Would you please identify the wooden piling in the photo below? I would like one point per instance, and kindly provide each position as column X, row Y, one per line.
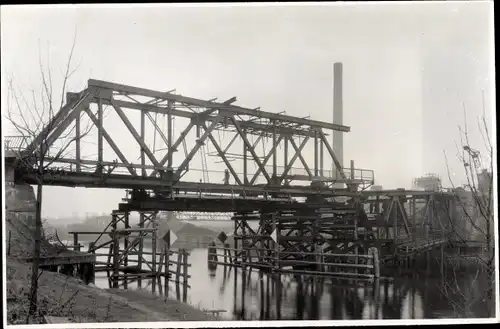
column 212, row 253
column 167, row 270
column 178, row 270
column 76, row 246
column 141, row 247
column 116, row 256
column 110, row 255
column 115, row 250
column 185, row 272
column 8, row 245
column 226, row 248
column 376, row 262
column 153, row 257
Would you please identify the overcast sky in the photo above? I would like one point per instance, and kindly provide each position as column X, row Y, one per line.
column 407, row 69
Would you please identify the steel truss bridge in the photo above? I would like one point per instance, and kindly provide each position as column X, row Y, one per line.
column 188, row 121
column 262, row 162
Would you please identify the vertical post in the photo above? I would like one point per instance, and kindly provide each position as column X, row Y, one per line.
column 427, row 216
column 8, row 246
column 76, row 246
column 275, row 158
column 109, row 262
column 185, row 272
column 285, row 163
column 321, row 159
column 179, row 266
column 141, row 246
column 414, row 220
column 77, row 142
column 170, row 135
column 275, row 243
column 243, row 286
column 91, row 273
column 125, row 247
column 245, row 169
column 394, row 214
column 243, row 241
column 116, row 252
column 235, row 234
column 356, row 233
column 376, row 291
column 91, row 247
column 167, row 269
column 316, row 154
column 153, row 251
column 143, row 137
column 376, row 263
column 99, row 136
column 278, row 295
column 442, row 260
column 225, row 253
column 352, row 169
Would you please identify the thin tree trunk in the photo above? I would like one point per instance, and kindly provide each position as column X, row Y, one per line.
column 490, row 271
column 36, row 254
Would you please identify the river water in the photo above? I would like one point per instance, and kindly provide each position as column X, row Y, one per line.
column 251, row 295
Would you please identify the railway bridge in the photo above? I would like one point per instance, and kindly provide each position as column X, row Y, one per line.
column 179, row 153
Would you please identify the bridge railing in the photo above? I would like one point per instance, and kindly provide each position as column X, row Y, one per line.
column 195, row 215
column 365, row 175
column 420, row 236
column 16, row 143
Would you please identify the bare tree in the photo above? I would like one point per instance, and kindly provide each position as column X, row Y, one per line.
column 34, row 115
column 473, row 217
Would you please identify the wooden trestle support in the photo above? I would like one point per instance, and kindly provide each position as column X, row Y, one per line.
column 348, row 239
column 126, row 242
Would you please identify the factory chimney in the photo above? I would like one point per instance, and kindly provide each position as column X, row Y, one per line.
column 338, row 142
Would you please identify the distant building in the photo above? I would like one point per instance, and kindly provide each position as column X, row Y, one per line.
column 428, row 182
column 485, row 183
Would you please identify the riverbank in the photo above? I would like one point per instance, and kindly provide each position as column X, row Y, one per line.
column 63, row 296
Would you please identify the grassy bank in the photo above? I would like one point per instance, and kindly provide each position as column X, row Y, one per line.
column 64, row 296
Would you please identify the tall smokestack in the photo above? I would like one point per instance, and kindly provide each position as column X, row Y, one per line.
column 338, row 141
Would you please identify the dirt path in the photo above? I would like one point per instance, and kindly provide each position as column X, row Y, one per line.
column 64, row 296
column 175, row 309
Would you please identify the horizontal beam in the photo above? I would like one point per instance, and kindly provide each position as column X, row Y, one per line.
column 122, row 181
column 232, row 109
column 104, row 163
column 190, row 115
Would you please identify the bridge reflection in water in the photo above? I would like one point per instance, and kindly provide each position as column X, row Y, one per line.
column 255, row 295
column 264, row 296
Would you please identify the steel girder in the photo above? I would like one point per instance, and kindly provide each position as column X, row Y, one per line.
column 206, row 116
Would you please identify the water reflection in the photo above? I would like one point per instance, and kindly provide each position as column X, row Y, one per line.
column 256, row 295
column 264, row 296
